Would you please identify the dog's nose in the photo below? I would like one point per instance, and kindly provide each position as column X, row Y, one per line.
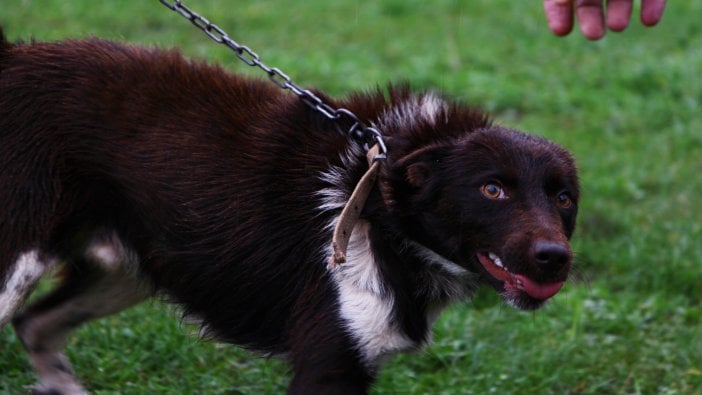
column 550, row 255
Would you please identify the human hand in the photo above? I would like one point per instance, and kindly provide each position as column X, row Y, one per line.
column 591, row 15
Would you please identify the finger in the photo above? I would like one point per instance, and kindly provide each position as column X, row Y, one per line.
column 559, row 14
column 591, row 18
column 651, row 11
column 618, row 14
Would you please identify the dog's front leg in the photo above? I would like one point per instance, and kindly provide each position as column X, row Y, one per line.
column 325, row 358
column 329, row 366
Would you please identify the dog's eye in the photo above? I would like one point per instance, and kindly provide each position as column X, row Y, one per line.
column 493, row 191
column 564, row 201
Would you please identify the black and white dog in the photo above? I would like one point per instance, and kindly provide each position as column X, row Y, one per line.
column 140, row 173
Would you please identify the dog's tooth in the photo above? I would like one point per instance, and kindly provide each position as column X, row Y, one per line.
column 496, row 260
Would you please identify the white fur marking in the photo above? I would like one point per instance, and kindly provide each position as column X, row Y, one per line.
column 106, row 254
column 431, row 256
column 107, row 250
column 406, row 115
column 335, row 196
column 23, row 277
column 431, row 107
column 366, row 306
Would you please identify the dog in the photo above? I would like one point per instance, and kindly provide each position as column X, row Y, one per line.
column 132, row 172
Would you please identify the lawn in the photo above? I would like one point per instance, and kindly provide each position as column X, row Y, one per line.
column 629, row 107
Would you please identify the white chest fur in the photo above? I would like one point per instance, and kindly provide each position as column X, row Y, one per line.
column 366, row 305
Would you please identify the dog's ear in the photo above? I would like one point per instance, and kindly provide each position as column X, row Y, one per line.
column 417, row 173
column 417, row 166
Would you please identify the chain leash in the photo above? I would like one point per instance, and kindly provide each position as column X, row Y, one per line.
column 358, row 129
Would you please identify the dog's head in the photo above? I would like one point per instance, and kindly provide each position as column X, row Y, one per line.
column 499, row 202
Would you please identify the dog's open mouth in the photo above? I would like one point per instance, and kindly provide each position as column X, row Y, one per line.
column 517, row 282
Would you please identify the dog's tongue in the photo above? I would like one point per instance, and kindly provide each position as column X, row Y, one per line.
column 536, row 290
column 520, row 282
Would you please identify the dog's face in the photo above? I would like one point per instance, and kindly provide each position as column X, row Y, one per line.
column 500, row 203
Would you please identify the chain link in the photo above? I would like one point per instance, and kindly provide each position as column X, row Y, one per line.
column 358, row 129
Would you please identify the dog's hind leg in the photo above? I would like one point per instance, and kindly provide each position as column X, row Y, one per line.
column 20, row 281
column 103, row 282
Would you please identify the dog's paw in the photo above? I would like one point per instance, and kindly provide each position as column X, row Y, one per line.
column 41, row 389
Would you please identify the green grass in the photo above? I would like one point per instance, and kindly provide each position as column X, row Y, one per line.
column 629, row 107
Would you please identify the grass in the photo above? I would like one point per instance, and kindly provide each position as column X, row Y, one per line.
column 628, row 107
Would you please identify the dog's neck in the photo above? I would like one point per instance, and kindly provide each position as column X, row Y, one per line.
column 354, row 206
column 434, row 258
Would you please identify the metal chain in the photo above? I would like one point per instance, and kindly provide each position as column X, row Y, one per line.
column 245, row 54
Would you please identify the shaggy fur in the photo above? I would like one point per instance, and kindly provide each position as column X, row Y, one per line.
column 139, row 172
